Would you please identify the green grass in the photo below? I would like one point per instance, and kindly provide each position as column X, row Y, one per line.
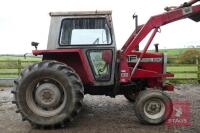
column 175, row 52
column 19, row 57
column 181, row 71
column 181, row 68
column 10, row 71
column 187, row 72
column 9, row 63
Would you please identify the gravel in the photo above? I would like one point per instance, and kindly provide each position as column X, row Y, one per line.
column 101, row 114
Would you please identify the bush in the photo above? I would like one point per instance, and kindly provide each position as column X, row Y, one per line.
column 189, row 56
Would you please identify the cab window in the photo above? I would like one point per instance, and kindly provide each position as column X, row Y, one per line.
column 85, row 31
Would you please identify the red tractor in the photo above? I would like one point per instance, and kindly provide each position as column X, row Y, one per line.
column 81, row 58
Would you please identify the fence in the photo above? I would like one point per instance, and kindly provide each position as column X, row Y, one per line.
column 11, row 68
column 184, row 72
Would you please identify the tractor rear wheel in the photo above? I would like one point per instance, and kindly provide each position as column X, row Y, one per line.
column 153, row 107
column 48, row 93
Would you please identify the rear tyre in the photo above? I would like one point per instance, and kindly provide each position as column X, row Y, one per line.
column 48, row 93
column 153, row 107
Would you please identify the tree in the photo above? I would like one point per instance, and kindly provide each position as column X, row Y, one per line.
column 189, row 56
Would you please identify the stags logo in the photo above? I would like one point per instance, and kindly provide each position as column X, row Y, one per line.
column 180, row 115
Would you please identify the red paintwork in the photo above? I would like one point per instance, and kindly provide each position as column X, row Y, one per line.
column 132, row 37
column 147, row 55
column 107, row 56
column 155, row 82
column 72, row 57
column 151, row 66
column 141, row 73
column 125, row 76
column 168, row 87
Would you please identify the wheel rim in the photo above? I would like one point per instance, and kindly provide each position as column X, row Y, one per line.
column 154, row 108
column 46, row 97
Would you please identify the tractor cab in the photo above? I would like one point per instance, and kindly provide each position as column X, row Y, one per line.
column 91, row 35
column 81, row 29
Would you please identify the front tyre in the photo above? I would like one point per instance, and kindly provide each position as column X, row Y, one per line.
column 48, row 93
column 153, row 107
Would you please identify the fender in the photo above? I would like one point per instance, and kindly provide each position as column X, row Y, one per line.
column 70, row 57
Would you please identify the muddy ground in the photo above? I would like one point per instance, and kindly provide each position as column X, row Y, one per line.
column 101, row 114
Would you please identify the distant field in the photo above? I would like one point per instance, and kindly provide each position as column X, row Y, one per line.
column 188, row 72
column 175, row 51
column 19, row 57
column 10, row 63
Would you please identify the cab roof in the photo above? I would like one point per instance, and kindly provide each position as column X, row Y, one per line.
column 80, row 13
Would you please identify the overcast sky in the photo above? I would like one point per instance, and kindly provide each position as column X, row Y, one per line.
column 23, row 21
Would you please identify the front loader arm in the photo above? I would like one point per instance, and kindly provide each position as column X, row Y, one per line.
column 157, row 21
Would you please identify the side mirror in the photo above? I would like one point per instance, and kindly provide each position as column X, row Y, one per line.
column 107, row 56
column 35, row 44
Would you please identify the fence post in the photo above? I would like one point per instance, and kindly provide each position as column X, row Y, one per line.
column 198, row 69
column 19, row 66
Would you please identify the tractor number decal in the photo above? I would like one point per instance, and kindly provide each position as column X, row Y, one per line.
column 134, row 59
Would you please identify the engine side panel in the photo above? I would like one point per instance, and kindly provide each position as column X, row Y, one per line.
column 151, row 64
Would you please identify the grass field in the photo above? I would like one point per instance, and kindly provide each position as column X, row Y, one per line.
column 19, row 57
column 177, row 51
column 9, row 63
column 183, row 71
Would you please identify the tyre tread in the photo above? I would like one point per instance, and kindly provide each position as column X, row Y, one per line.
column 58, row 67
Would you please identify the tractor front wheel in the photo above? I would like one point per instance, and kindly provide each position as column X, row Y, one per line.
column 48, row 93
column 153, row 107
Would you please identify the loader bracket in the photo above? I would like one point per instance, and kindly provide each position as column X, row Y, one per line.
column 195, row 17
